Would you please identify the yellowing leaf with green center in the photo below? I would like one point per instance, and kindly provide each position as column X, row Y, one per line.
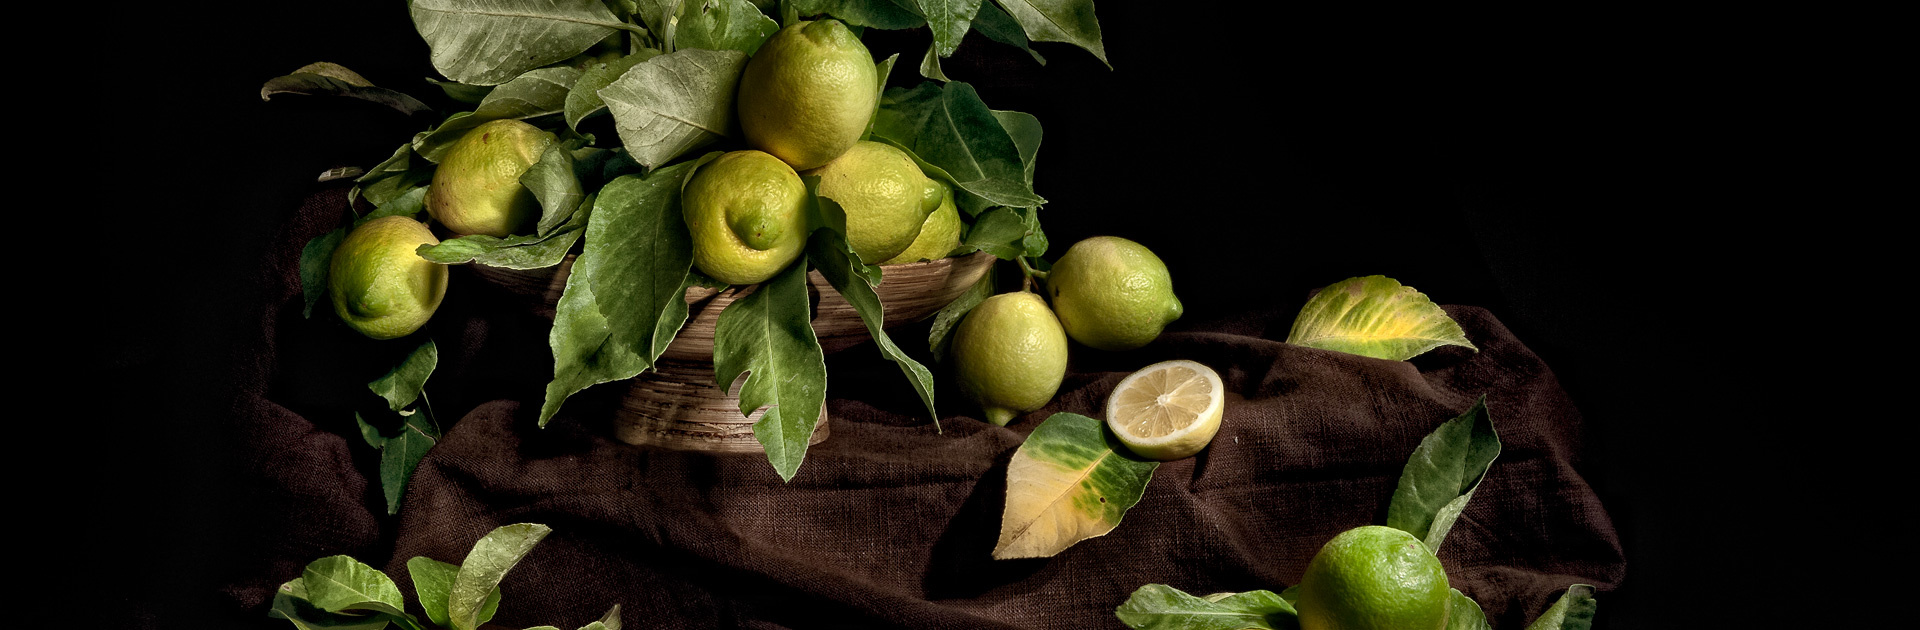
column 1377, row 317
column 1069, row 482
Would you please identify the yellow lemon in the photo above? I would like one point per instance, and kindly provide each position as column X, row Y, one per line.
column 1374, row 578
column 885, row 196
column 1009, row 355
column 747, row 212
column 1112, row 293
column 380, row 286
column 808, row 93
column 1168, row 410
column 939, row 234
column 476, row 189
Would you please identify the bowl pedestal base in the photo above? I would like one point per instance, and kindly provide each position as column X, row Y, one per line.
column 678, row 406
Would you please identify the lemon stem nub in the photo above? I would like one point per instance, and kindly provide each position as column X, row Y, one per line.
column 758, row 229
column 1000, row 417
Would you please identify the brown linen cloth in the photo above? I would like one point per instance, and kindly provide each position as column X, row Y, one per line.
column 889, row 522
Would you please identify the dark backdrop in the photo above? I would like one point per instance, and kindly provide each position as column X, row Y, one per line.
column 1529, row 164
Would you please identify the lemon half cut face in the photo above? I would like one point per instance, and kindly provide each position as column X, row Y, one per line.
column 1168, row 410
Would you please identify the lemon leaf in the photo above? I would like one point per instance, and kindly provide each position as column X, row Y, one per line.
column 1465, row 614
column 314, row 261
column 290, row 603
column 1024, row 129
column 552, row 180
column 1573, row 611
column 1068, row 482
column 489, row 42
column 1441, row 476
column 940, row 338
column 1377, row 317
column 485, row 565
column 391, row 178
column 880, row 14
column 769, row 334
column 584, row 99
column 1001, row 232
column 674, row 103
column 836, row 261
column 723, row 25
column 433, row 581
column 930, row 64
column 341, row 584
column 625, row 298
column 994, row 22
column 402, row 384
column 1070, row 21
column 329, row 79
column 951, row 128
column 521, row 251
column 1162, row 607
column 949, row 20
column 537, row 93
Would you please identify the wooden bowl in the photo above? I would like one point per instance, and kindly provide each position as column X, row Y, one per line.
column 678, row 405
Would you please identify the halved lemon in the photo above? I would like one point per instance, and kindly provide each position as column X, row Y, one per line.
column 1167, row 410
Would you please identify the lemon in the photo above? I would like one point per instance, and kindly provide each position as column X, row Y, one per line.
column 476, row 189
column 1167, row 410
column 806, row 96
column 885, row 196
column 1374, row 578
column 747, row 213
column 1009, row 355
column 380, row 286
column 1112, row 293
column 939, row 234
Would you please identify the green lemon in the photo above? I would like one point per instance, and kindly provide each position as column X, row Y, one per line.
column 1374, row 578
column 1009, row 355
column 476, row 189
column 380, row 286
column 939, row 234
column 747, row 212
column 1112, row 293
column 808, row 93
column 884, row 194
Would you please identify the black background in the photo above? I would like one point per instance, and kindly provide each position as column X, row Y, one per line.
column 1539, row 165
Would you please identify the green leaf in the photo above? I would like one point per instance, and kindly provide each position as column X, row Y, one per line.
column 409, row 204
column 290, row 603
column 489, row 42
column 552, row 180
column 584, row 99
column 1375, row 317
column 401, row 454
column 1001, row 232
column 330, row 79
column 940, row 338
column 369, row 433
column 433, row 581
column 994, row 22
column 769, row 334
column 485, row 566
column 949, row 20
column 1065, row 484
column 951, row 128
column 674, row 103
column 388, row 180
column 834, row 258
column 609, row 621
column 1573, row 611
column 723, row 25
column 402, row 384
column 1070, row 21
column 1465, row 614
column 879, row 14
column 341, row 583
column 526, row 251
column 1442, row 474
column 1161, row 607
column 882, row 71
column 469, row 94
column 1024, row 129
column 314, row 261
column 625, row 297
column 930, row 64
